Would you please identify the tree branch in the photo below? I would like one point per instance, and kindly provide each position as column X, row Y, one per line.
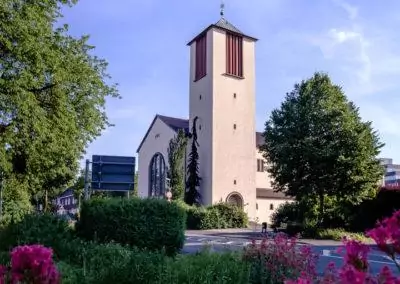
column 46, row 87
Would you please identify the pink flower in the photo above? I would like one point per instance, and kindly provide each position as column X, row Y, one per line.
column 33, row 264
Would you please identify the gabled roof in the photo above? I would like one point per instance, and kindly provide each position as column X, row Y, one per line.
column 174, row 123
column 180, row 123
column 224, row 25
column 67, row 192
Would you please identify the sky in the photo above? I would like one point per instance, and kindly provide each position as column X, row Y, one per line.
column 144, row 41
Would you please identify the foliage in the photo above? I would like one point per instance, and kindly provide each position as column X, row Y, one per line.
column 318, row 147
column 370, row 211
column 70, row 274
column 218, row 216
column 52, row 98
column 274, row 262
column 192, row 195
column 208, row 268
column 176, row 158
column 30, row 264
column 136, row 266
column 135, row 192
column 46, row 229
column 16, row 201
column 154, row 224
column 338, row 235
column 285, row 213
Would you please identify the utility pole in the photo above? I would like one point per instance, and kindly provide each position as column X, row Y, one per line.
column 86, row 191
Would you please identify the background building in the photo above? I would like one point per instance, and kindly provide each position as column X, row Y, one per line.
column 391, row 179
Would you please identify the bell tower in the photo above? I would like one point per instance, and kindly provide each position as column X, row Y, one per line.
column 222, row 96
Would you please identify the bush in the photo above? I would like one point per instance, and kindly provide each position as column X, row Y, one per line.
column 339, row 234
column 285, row 213
column 115, row 264
column 46, row 229
column 219, row 216
column 153, row 224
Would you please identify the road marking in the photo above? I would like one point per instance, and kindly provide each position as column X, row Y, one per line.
column 326, row 252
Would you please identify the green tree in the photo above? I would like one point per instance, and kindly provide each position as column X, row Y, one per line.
column 192, row 195
column 176, row 158
column 318, row 147
column 52, row 96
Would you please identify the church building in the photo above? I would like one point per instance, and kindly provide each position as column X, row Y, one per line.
column 222, row 97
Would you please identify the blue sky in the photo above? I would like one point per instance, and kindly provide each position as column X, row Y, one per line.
column 144, row 41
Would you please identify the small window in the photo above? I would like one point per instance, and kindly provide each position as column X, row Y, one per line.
column 234, row 95
column 260, row 165
column 234, row 126
column 200, row 97
column 234, row 181
column 271, row 206
column 200, row 127
column 157, row 135
column 256, row 206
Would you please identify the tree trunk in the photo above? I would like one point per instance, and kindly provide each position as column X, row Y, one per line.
column 45, row 205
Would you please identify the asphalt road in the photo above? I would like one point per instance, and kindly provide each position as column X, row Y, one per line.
column 222, row 240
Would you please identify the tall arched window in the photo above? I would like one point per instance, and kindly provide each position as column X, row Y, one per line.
column 157, row 175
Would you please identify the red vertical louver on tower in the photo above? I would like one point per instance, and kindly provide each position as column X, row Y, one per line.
column 201, row 57
column 234, row 55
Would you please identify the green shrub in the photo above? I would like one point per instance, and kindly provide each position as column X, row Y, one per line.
column 112, row 263
column 285, row 213
column 70, row 274
column 153, row 224
column 115, row 264
column 339, row 234
column 218, row 216
column 208, row 268
column 46, row 229
column 294, row 228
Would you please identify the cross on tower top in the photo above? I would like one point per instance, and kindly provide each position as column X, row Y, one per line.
column 222, row 8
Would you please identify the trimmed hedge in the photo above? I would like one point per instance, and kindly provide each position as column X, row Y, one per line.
column 153, row 224
column 218, row 216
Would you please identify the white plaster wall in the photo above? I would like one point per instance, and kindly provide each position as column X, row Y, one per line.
column 233, row 149
column 265, row 212
column 203, row 108
column 263, row 179
column 149, row 147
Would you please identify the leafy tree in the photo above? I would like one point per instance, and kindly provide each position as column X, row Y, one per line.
column 192, row 195
column 318, row 147
column 52, row 96
column 176, row 156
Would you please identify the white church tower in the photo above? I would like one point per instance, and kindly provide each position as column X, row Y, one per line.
column 222, row 96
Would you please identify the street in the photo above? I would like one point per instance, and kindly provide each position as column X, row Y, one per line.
column 237, row 239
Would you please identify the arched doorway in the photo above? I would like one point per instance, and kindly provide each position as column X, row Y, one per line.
column 157, row 175
column 235, row 198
